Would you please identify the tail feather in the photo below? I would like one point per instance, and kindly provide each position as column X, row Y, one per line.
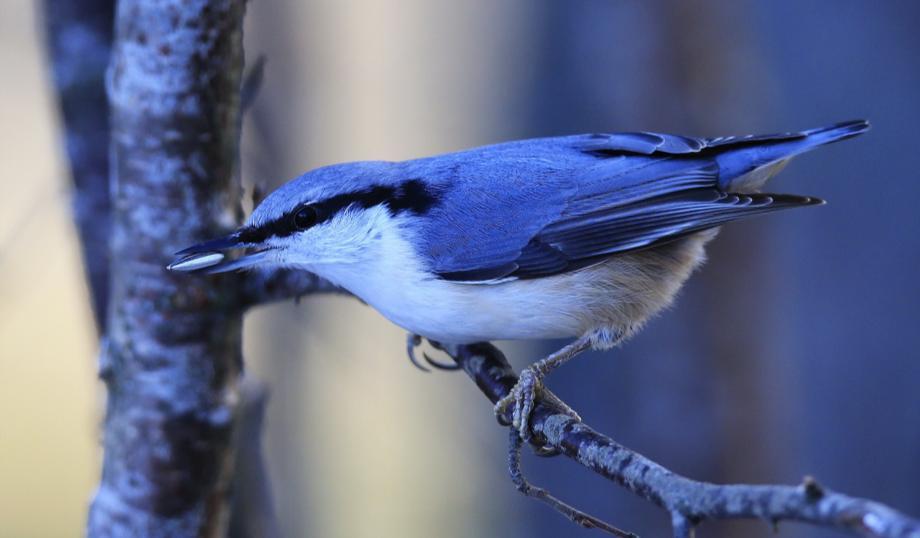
column 836, row 132
column 746, row 163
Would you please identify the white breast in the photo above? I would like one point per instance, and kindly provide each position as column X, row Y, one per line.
column 620, row 293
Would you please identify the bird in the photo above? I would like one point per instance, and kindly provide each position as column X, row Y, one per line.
column 582, row 237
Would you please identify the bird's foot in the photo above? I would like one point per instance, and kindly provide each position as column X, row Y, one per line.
column 522, row 398
column 521, row 401
column 413, row 341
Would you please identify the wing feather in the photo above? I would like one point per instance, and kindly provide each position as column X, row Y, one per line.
column 543, row 207
column 575, row 243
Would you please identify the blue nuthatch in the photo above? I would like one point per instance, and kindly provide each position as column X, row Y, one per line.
column 582, row 236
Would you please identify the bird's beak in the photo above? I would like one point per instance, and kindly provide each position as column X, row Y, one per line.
column 218, row 256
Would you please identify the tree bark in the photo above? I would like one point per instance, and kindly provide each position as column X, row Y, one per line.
column 171, row 357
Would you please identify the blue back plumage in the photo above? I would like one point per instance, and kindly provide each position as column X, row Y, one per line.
column 534, row 208
column 541, row 207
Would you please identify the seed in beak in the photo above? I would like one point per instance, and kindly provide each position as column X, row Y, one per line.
column 196, row 262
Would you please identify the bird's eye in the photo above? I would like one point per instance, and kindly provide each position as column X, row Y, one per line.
column 304, row 217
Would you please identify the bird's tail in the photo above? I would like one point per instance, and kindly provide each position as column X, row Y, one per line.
column 746, row 163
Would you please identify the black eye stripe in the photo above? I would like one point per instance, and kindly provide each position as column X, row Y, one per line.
column 410, row 196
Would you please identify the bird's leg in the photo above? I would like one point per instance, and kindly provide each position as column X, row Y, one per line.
column 524, row 392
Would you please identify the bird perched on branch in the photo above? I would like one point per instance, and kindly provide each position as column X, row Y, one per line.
column 583, row 236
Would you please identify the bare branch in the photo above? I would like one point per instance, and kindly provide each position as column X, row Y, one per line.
column 689, row 502
column 683, row 527
column 252, row 83
column 573, row 514
column 253, row 507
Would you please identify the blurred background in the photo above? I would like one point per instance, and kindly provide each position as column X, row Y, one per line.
column 794, row 351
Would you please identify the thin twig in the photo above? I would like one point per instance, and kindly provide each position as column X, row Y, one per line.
column 683, row 527
column 253, row 512
column 573, row 514
column 689, row 502
column 252, row 83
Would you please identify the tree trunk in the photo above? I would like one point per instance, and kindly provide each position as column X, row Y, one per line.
column 171, row 358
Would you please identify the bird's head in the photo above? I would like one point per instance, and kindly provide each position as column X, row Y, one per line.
column 329, row 216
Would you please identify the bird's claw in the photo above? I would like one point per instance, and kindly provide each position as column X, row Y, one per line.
column 521, row 401
column 440, row 365
column 413, row 341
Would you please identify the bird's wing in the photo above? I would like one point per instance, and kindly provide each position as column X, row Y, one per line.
column 575, row 241
column 543, row 207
